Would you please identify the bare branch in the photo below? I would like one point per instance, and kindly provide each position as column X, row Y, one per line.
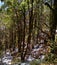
column 49, row 6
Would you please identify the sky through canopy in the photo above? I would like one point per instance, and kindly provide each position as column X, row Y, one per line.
column 1, row 3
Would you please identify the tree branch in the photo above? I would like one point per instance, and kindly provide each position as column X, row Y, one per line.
column 49, row 6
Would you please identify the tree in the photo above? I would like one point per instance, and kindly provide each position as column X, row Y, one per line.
column 53, row 23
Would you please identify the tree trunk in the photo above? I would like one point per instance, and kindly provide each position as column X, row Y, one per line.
column 54, row 19
column 23, row 45
column 54, row 23
column 30, row 25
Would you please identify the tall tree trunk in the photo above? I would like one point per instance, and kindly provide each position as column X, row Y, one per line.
column 30, row 25
column 54, row 23
column 23, row 46
column 54, row 19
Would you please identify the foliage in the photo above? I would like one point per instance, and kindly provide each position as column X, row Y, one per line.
column 51, row 57
column 23, row 22
column 35, row 62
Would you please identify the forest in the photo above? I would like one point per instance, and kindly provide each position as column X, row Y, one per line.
column 28, row 32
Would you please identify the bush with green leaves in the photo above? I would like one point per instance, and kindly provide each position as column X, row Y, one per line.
column 52, row 56
column 35, row 62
